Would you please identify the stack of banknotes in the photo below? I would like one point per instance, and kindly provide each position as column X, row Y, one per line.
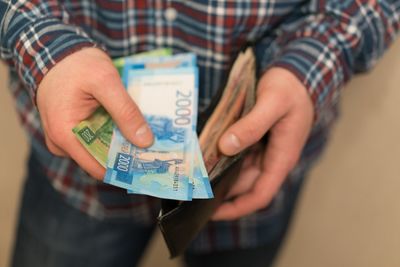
column 165, row 88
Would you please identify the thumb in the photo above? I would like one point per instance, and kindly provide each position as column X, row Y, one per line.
column 252, row 127
column 124, row 111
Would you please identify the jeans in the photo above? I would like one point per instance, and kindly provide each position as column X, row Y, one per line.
column 51, row 233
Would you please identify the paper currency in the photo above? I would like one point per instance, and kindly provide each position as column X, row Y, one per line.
column 238, row 96
column 185, row 60
column 198, row 176
column 120, row 63
column 200, row 180
column 166, row 98
column 95, row 132
column 184, row 175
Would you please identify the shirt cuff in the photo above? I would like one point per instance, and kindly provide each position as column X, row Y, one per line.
column 43, row 44
column 319, row 67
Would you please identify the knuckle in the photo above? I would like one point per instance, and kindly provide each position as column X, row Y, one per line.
column 106, row 75
column 49, row 145
column 287, row 160
column 95, row 174
column 57, row 153
column 129, row 112
column 53, row 150
column 265, row 195
column 253, row 131
column 104, row 78
column 55, row 134
column 263, row 201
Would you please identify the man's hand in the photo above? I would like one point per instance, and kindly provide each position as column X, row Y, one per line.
column 284, row 109
column 72, row 90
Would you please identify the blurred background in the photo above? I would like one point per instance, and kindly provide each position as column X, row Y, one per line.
column 349, row 210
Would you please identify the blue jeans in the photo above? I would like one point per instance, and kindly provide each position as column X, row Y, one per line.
column 52, row 233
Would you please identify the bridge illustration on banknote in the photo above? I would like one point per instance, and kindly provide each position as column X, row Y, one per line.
column 164, row 131
column 141, row 166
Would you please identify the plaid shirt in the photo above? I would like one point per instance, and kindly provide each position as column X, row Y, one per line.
column 323, row 42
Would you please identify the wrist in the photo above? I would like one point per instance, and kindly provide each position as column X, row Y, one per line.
column 290, row 91
column 319, row 67
column 43, row 44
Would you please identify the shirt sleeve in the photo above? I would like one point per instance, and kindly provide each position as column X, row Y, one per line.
column 35, row 35
column 324, row 42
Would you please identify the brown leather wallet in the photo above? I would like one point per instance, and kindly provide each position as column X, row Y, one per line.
column 180, row 222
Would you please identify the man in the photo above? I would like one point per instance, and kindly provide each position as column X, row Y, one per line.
column 59, row 56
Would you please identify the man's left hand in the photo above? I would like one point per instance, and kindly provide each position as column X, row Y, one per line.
column 284, row 109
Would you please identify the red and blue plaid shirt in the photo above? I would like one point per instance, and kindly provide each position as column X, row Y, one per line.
column 323, row 42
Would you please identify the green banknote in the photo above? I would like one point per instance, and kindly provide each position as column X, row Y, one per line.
column 95, row 132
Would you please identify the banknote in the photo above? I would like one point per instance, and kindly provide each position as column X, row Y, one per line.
column 161, row 62
column 95, row 132
column 237, row 97
column 200, row 180
column 166, row 98
column 183, row 60
column 198, row 175
column 120, row 63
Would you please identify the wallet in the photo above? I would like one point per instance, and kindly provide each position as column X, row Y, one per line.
column 179, row 221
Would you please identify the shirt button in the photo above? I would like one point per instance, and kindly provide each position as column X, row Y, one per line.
column 170, row 14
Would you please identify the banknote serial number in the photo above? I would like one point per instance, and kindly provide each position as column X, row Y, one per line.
column 183, row 110
column 175, row 185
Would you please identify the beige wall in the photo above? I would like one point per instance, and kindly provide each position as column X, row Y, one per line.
column 349, row 214
column 13, row 148
column 349, row 211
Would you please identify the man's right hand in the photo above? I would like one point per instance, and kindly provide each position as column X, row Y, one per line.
column 72, row 90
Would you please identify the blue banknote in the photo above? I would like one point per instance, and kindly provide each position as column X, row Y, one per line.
column 186, row 60
column 167, row 98
column 198, row 174
column 199, row 179
column 179, row 61
column 156, row 171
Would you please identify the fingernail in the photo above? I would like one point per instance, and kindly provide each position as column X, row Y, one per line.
column 232, row 143
column 143, row 135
